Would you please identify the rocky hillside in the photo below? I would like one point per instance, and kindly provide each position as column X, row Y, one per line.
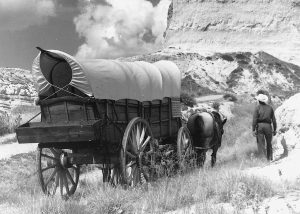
column 236, row 72
column 16, row 88
column 206, row 26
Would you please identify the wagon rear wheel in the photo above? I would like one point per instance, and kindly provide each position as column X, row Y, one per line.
column 55, row 173
column 185, row 149
column 137, row 153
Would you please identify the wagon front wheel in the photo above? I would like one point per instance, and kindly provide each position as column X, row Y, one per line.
column 55, row 173
column 137, row 153
column 185, row 149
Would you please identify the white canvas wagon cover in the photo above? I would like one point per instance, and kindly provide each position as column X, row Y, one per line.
column 113, row 79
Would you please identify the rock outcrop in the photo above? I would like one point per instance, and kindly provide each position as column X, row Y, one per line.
column 16, row 88
column 287, row 141
column 204, row 26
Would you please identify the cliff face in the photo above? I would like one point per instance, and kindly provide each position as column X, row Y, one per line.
column 235, row 72
column 210, row 26
column 16, row 88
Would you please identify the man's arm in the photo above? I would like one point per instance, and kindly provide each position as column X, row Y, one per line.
column 274, row 122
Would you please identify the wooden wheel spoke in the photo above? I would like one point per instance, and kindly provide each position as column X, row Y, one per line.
column 51, row 177
column 50, row 157
column 145, row 173
column 142, row 137
column 56, row 184
column 137, row 136
column 74, row 167
column 54, row 152
column 66, row 183
column 130, row 164
column 113, row 178
column 145, row 143
column 186, row 150
column 130, row 176
column 61, row 184
column 133, row 143
column 150, row 152
column 186, row 147
column 130, row 155
column 70, row 177
column 130, row 145
column 184, row 139
column 49, row 167
column 133, row 174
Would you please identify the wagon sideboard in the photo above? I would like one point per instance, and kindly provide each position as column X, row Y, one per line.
column 88, row 122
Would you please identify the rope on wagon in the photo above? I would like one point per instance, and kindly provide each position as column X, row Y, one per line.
column 62, row 89
column 33, row 117
column 67, row 91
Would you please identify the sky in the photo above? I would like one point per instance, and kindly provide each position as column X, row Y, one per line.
column 82, row 28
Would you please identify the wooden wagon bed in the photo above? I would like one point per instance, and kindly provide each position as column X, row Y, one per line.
column 74, row 120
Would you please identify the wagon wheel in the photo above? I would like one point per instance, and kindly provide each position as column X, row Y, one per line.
column 185, row 149
column 54, row 172
column 137, row 156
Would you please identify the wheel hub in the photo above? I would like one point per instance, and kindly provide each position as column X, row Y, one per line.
column 63, row 159
column 139, row 159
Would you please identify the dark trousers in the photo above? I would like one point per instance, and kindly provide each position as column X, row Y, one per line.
column 264, row 136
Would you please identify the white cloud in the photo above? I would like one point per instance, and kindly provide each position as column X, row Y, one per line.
column 120, row 28
column 19, row 14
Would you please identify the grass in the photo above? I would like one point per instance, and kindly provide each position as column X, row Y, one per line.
column 223, row 184
column 207, row 187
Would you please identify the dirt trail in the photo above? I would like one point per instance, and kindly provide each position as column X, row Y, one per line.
column 8, row 150
column 208, row 98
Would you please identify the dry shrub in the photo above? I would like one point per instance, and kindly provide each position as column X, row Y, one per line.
column 187, row 99
column 8, row 123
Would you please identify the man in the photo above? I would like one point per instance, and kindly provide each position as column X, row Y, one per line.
column 263, row 117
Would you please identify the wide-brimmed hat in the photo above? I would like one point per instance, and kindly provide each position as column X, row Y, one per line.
column 262, row 98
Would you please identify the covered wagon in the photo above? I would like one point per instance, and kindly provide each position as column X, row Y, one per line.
column 104, row 112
